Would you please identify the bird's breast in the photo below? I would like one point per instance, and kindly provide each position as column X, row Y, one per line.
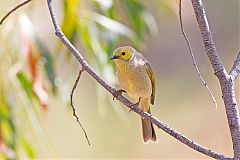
column 134, row 79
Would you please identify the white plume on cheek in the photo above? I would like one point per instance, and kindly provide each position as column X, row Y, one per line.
column 132, row 57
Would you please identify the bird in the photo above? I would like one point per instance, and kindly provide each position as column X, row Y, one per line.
column 136, row 78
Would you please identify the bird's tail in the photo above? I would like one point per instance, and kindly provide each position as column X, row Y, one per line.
column 147, row 127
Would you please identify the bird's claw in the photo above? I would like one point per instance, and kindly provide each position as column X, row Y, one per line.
column 118, row 93
column 136, row 104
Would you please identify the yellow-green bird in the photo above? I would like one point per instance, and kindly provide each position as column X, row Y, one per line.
column 136, row 77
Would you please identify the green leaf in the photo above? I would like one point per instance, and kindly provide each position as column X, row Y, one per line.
column 48, row 63
column 112, row 25
column 4, row 111
column 134, row 11
column 70, row 18
column 25, row 83
column 141, row 20
column 27, row 148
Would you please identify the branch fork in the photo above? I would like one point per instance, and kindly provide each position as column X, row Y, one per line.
column 125, row 101
column 226, row 80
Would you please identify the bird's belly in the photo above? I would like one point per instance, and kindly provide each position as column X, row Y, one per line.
column 136, row 82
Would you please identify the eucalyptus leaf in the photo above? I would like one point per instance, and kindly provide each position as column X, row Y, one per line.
column 47, row 62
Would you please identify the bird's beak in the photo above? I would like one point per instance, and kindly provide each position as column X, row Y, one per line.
column 114, row 57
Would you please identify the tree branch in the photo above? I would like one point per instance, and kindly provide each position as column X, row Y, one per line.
column 14, row 9
column 236, row 68
column 226, row 81
column 126, row 102
column 192, row 55
column 74, row 109
column 207, row 38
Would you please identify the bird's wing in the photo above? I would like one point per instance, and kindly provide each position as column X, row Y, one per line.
column 151, row 76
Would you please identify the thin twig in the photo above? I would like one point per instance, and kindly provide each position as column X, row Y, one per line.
column 193, row 57
column 73, row 108
column 14, row 9
column 122, row 99
column 236, row 68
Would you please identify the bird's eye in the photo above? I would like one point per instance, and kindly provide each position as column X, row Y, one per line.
column 123, row 53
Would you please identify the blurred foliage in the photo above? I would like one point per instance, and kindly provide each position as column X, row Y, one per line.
column 101, row 25
column 26, row 61
column 23, row 58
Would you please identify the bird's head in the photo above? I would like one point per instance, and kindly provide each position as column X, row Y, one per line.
column 124, row 53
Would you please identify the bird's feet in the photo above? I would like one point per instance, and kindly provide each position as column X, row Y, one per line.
column 117, row 93
column 136, row 103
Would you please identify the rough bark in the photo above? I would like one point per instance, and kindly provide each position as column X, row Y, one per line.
column 226, row 80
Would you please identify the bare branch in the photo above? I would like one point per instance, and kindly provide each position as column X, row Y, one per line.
column 193, row 57
column 73, row 108
column 14, row 9
column 207, row 38
column 226, row 81
column 236, row 67
column 122, row 99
